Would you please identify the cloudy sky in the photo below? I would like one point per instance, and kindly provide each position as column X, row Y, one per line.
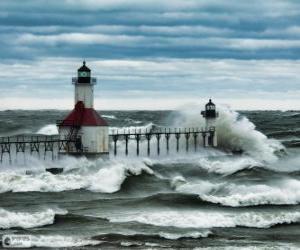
column 151, row 54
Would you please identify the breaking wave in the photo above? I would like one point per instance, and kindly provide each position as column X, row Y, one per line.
column 228, row 166
column 176, row 236
column 98, row 176
column 208, row 219
column 59, row 241
column 109, row 116
column 277, row 192
column 169, row 234
column 10, row 219
column 235, row 132
column 50, row 129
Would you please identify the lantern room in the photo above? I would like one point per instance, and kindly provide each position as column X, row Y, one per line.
column 210, row 111
column 84, row 74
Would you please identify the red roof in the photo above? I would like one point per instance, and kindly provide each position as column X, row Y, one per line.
column 81, row 116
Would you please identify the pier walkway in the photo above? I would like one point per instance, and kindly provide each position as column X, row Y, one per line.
column 41, row 145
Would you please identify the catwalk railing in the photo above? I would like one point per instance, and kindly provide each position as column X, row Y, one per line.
column 42, row 145
column 139, row 135
column 39, row 144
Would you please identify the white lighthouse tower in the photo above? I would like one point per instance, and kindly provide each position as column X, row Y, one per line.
column 210, row 114
column 84, row 130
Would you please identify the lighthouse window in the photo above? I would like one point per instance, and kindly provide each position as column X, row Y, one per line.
column 83, row 74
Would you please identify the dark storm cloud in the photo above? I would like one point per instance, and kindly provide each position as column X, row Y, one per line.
column 136, row 29
column 173, row 51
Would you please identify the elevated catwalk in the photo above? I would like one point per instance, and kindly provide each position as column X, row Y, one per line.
column 54, row 146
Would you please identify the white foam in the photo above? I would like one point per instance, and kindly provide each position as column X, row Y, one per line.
column 234, row 132
column 291, row 163
column 194, row 235
column 132, row 128
column 208, row 219
column 228, row 165
column 130, row 244
column 109, row 180
column 177, row 181
column 281, row 192
column 109, row 116
column 132, row 121
column 50, row 129
column 60, row 241
column 266, row 246
column 9, row 219
column 99, row 176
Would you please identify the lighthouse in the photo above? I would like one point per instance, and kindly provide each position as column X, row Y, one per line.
column 84, row 130
column 210, row 114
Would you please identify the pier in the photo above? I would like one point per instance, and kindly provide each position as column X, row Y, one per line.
column 38, row 145
column 154, row 140
column 190, row 136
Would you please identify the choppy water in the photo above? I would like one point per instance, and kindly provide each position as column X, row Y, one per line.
column 209, row 199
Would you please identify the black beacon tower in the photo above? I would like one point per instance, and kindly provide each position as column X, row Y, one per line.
column 210, row 114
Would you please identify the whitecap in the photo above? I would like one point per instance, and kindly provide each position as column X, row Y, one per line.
column 50, row 129
column 10, row 219
column 194, row 235
column 99, row 176
column 208, row 219
column 227, row 166
column 60, row 241
column 109, row 117
column 280, row 192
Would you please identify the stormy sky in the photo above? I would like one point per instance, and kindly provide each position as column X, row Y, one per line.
column 151, row 54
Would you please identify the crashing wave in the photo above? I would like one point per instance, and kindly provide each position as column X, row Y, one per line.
column 50, row 129
column 234, row 132
column 12, row 219
column 229, row 165
column 100, row 176
column 209, row 219
column 283, row 192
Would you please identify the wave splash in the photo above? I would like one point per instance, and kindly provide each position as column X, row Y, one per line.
column 50, row 129
column 96, row 176
column 208, row 219
column 280, row 192
column 235, row 132
column 9, row 219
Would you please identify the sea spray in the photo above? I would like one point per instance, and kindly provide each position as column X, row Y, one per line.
column 235, row 132
column 97, row 176
column 132, row 129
